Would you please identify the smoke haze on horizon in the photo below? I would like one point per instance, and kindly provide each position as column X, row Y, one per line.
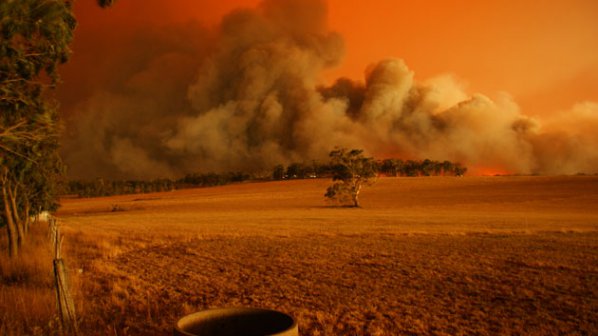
column 248, row 94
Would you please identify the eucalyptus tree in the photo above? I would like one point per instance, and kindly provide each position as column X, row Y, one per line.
column 351, row 170
column 34, row 40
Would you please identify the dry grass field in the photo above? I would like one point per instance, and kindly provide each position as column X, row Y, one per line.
column 423, row 256
column 27, row 297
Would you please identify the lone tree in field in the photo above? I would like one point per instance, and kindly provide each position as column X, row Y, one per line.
column 351, row 170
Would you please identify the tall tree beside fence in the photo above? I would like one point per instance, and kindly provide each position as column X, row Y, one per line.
column 34, row 40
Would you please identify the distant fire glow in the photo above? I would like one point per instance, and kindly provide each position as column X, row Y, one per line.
column 490, row 171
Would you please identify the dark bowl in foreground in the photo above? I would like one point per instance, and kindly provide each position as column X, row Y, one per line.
column 237, row 322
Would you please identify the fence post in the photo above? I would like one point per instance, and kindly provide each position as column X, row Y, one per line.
column 64, row 300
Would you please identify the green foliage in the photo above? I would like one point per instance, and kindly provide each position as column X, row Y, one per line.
column 35, row 37
column 351, row 169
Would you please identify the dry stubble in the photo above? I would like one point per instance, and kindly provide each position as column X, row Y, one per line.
column 439, row 256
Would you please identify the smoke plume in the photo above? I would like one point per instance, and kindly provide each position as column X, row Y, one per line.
column 248, row 95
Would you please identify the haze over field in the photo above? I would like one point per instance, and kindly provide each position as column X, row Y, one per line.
column 169, row 96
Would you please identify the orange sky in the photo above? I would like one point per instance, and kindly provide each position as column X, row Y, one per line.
column 544, row 53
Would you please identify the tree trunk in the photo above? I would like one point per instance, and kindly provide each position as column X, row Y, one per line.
column 355, row 195
column 27, row 220
column 17, row 219
column 13, row 248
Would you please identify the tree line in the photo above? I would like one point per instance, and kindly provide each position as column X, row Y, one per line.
column 101, row 187
column 386, row 167
column 398, row 167
column 307, row 170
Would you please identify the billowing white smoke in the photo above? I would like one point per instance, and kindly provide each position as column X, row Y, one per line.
column 568, row 142
column 249, row 98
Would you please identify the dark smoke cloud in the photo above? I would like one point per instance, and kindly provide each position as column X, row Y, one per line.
column 246, row 97
column 132, row 103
